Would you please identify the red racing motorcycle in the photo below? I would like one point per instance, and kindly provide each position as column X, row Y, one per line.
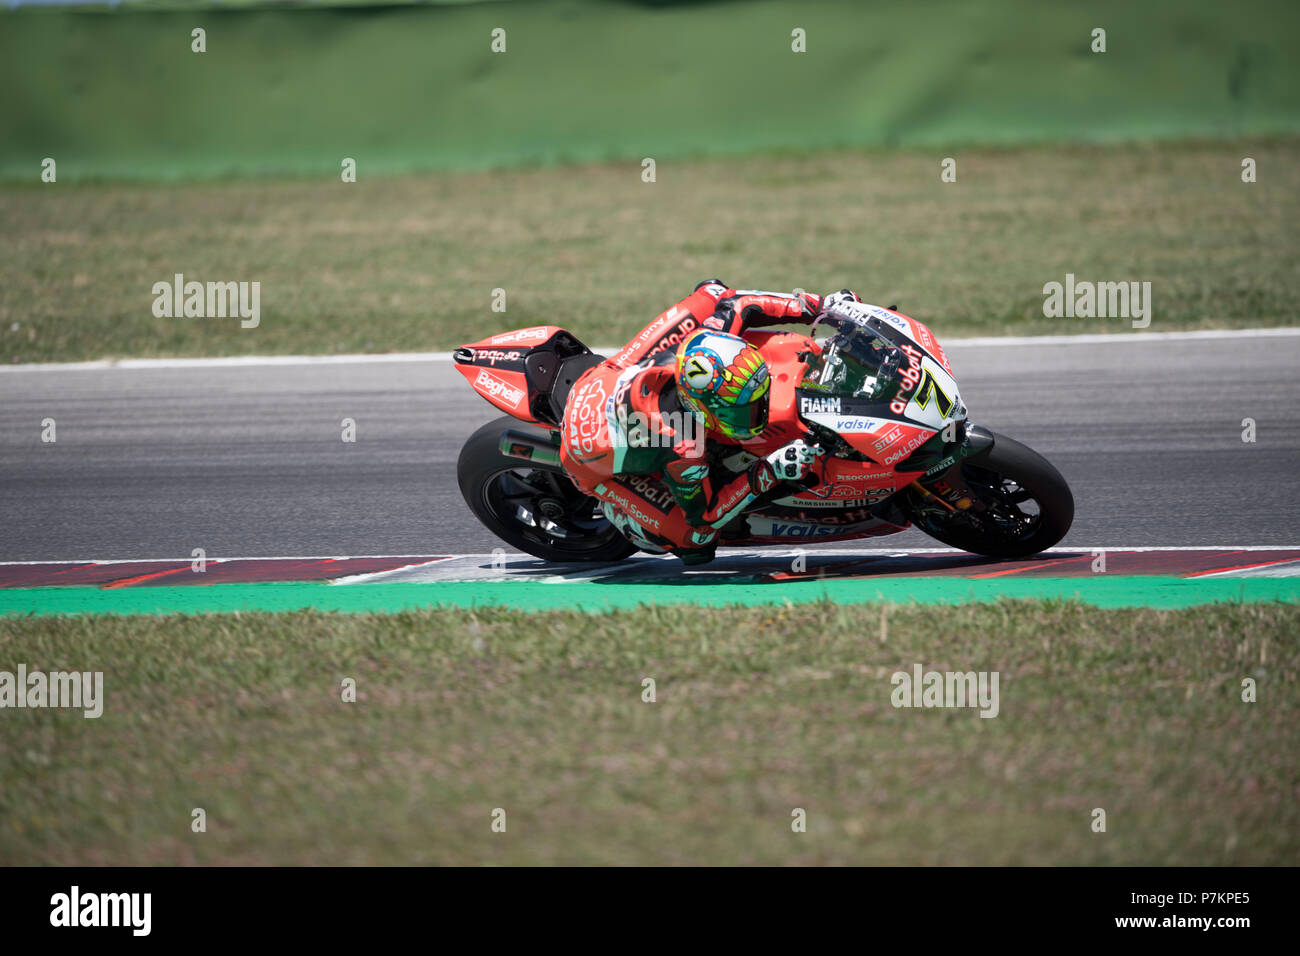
column 875, row 391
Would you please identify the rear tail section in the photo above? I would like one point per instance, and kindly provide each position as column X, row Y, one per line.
column 526, row 373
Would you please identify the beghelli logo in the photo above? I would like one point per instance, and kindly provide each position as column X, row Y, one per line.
column 210, row 300
column 499, row 388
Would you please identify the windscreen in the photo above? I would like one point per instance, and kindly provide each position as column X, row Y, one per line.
column 857, row 362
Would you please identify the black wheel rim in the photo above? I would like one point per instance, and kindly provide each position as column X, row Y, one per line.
column 545, row 507
column 1009, row 511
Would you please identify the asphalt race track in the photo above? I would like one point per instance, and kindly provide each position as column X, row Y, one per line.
column 248, row 461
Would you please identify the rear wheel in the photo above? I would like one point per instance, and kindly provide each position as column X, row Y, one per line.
column 1023, row 505
column 536, row 508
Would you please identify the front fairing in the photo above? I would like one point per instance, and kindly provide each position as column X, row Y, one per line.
column 882, row 385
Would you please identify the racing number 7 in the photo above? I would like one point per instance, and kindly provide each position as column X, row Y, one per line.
column 927, row 388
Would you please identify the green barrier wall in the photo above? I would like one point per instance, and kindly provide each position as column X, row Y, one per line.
column 118, row 93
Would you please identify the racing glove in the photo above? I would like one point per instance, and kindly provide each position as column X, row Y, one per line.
column 833, row 304
column 793, row 461
column 790, row 462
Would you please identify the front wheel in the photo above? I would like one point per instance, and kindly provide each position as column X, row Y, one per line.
column 536, row 508
column 1021, row 504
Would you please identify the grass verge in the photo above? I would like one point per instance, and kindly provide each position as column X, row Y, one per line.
column 410, row 263
column 759, row 711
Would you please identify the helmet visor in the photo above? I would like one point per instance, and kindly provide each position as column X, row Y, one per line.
column 743, row 421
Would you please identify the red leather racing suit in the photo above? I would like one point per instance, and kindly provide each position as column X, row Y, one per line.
column 627, row 439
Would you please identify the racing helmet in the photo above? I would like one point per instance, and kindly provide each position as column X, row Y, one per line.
column 724, row 380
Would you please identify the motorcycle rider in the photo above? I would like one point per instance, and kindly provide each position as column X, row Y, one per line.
column 640, row 429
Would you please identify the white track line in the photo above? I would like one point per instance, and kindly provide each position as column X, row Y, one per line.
column 233, row 361
column 1274, row 569
column 578, row 573
column 279, row 557
column 432, row 558
column 1110, row 549
column 257, row 361
column 1110, row 338
column 566, row 572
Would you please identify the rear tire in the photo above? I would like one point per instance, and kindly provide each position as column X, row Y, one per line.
column 1009, row 531
column 506, row 494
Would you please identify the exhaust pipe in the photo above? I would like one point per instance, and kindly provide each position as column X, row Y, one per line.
column 530, row 447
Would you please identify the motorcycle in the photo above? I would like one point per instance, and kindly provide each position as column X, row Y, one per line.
column 877, row 393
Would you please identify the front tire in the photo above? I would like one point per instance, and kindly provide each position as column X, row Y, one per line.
column 536, row 508
column 1028, row 505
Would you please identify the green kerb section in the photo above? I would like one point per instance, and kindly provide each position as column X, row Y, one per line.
column 1101, row 591
column 119, row 94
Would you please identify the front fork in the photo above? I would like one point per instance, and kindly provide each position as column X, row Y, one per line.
column 943, row 488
